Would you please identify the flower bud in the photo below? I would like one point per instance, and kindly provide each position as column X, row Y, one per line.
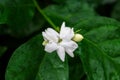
column 78, row 37
column 44, row 43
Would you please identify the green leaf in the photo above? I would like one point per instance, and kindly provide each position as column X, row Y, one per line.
column 29, row 62
column 24, row 63
column 96, row 3
column 97, row 21
column 116, row 11
column 3, row 12
column 20, row 14
column 20, row 18
column 76, row 71
column 97, row 64
column 52, row 68
column 2, row 50
column 112, row 48
column 100, row 30
column 71, row 12
column 103, row 33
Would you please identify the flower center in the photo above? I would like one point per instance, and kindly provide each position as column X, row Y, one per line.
column 60, row 40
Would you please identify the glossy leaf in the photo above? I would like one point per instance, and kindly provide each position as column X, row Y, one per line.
column 72, row 12
column 103, row 33
column 52, row 68
column 96, row 22
column 25, row 61
column 30, row 62
column 112, row 48
column 97, row 64
column 76, row 71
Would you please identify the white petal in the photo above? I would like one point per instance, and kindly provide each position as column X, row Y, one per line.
column 69, row 34
column 66, row 33
column 52, row 31
column 50, row 35
column 72, row 33
column 69, row 52
column 45, row 36
column 69, row 45
column 50, row 47
column 62, row 26
column 61, row 53
column 62, row 30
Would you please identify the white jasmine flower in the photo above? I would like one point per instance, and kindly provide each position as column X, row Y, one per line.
column 61, row 42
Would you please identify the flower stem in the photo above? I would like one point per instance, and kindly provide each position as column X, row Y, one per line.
column 78, row 31
column 43, row 14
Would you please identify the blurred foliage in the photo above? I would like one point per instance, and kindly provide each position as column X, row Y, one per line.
column 95, row 3
column 116, row 11
column 98, row 55
column 20, row 18
column 2, row 50
column 72, row 12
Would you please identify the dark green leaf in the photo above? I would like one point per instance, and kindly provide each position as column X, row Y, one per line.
column 20, row 14
column 52, row 68
column 29, row 63
column 103, row 33
column 96, row 3
column 116, row 11
column 25, row 61
column 97, row 64
column 112, row 48
column 19, row 17
column 100, row 30
column 3, row 13
column 96, row 22
column 71, row 12
column 76, row 71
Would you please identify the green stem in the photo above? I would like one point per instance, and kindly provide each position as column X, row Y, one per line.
column 78, row 31
column 42, row 13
